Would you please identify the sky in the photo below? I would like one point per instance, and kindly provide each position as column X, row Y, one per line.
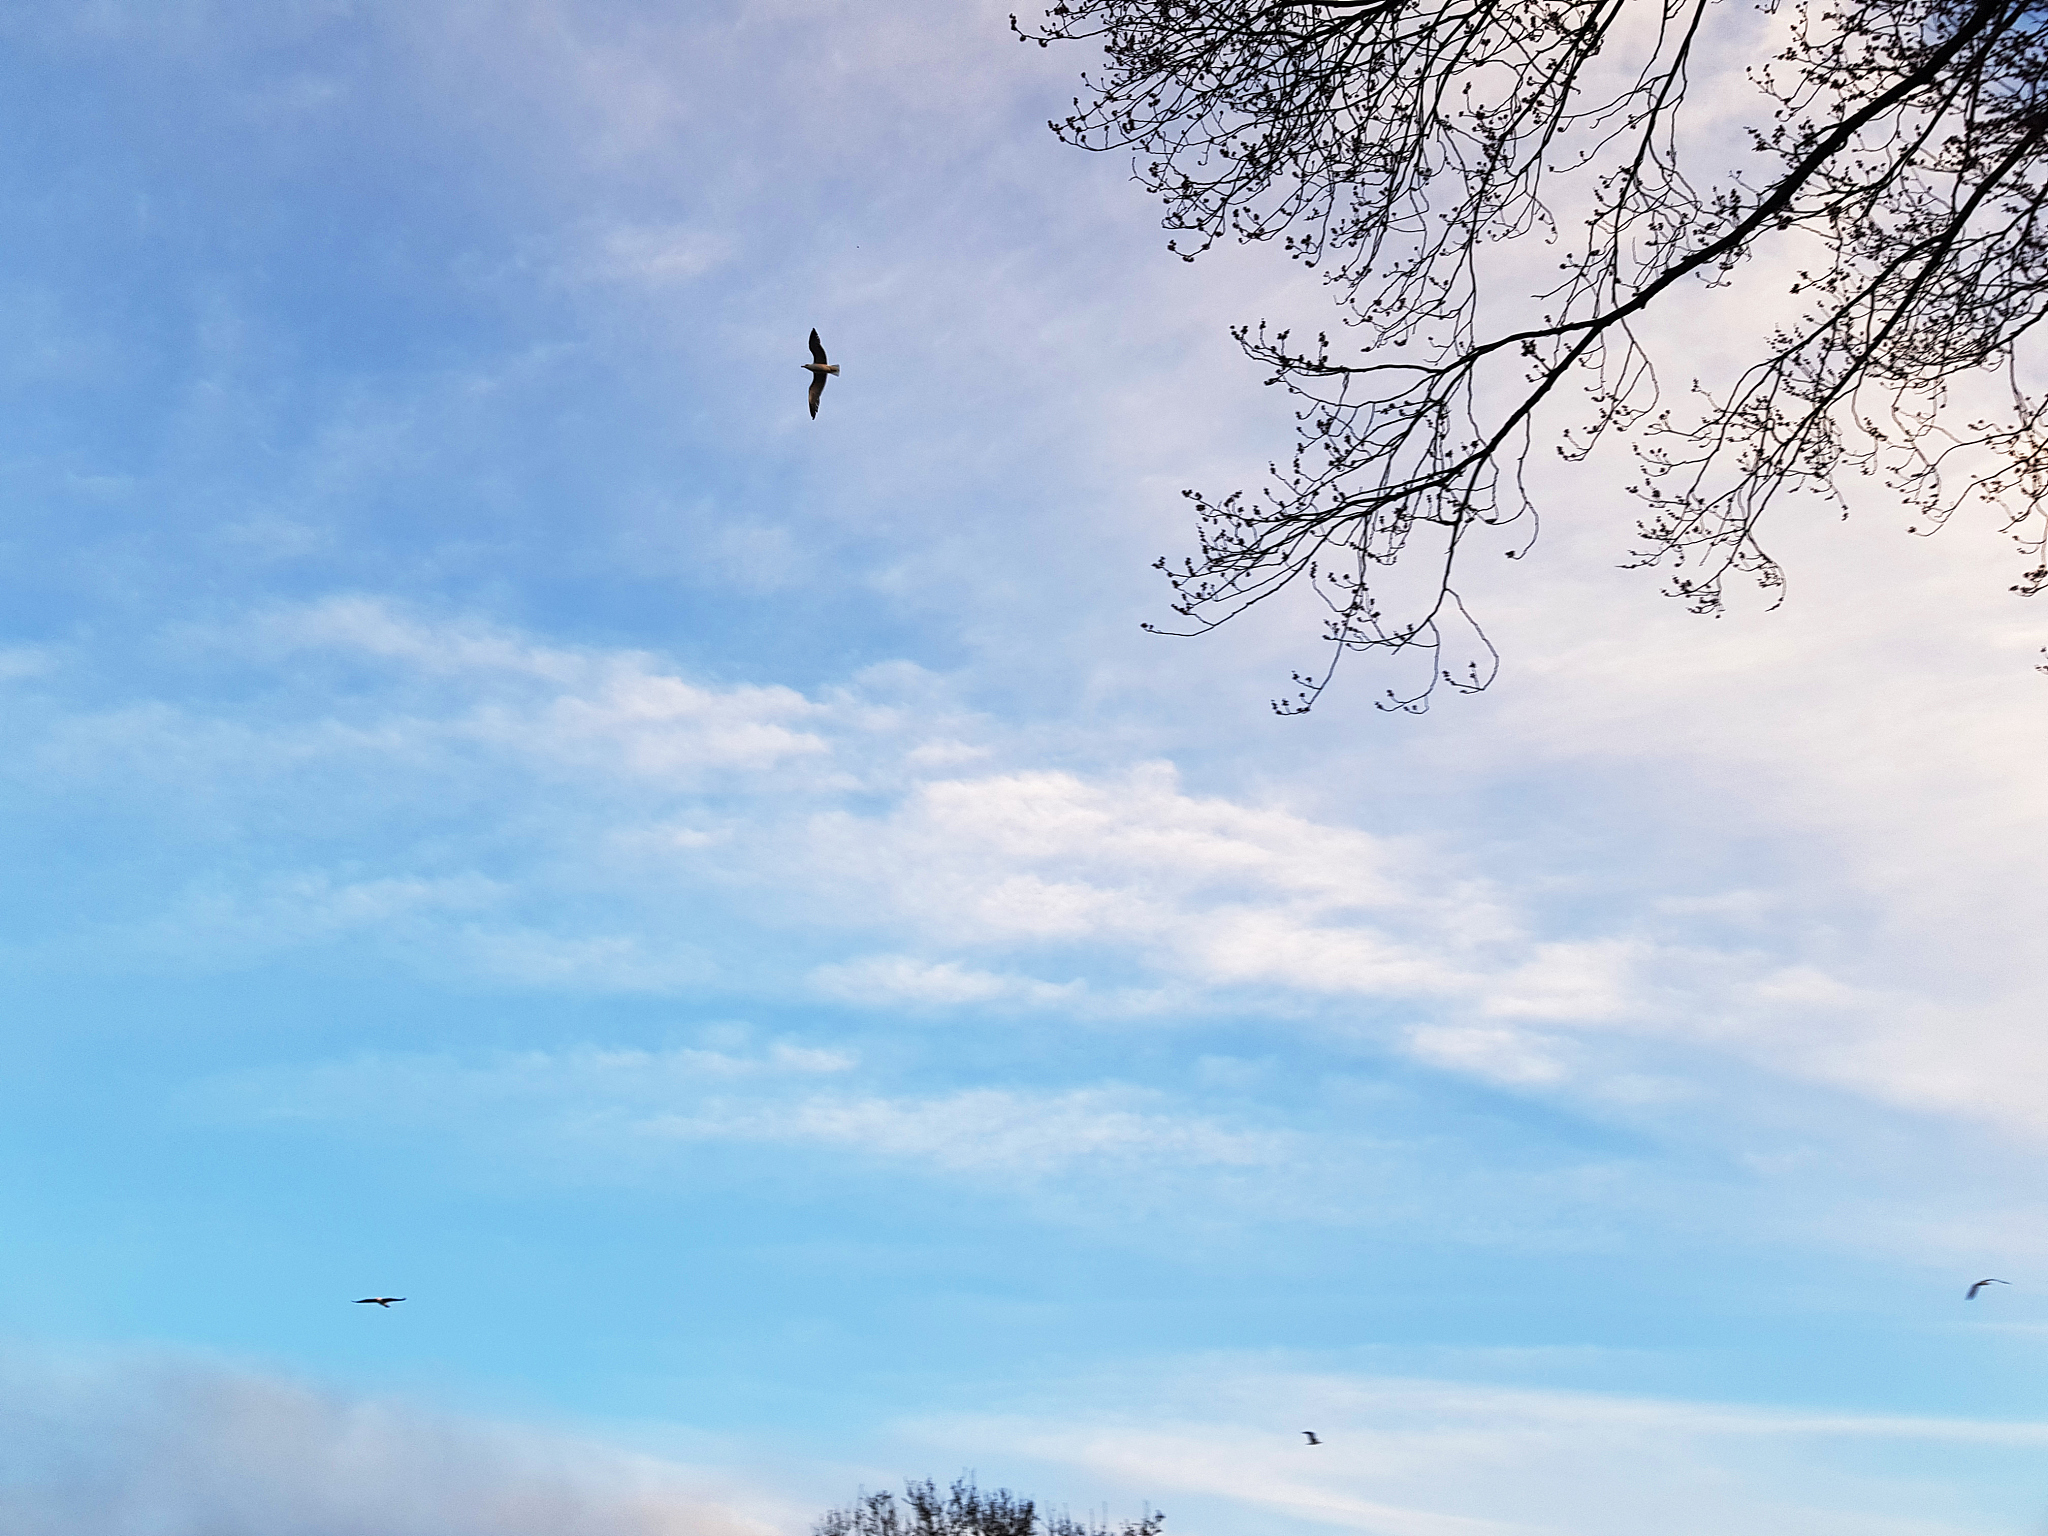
column 732, row 918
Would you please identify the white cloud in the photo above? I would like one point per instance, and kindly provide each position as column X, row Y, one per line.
column 880, row 980
column 1584, row 982
column 1500, row 1055
column 1206, row 887
column 181, row 1449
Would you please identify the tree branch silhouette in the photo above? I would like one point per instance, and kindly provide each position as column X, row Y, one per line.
column 1396, row 145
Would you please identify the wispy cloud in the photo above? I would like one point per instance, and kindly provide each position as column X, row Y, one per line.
column 991, row 1130
column 903, row 981
column 1218, row 1446
column 633, row 1103
column 467, row 799
column 617, row 711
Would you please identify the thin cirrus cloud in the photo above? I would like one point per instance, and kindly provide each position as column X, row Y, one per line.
column 1219, row 1447
column 904, row 980
column 607, row 1102
column 619, row 710
column 992, row 1130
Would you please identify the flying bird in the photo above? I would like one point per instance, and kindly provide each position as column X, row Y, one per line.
column 1312, row 1440
column 819, row 369
column 1971, row 1293
column 377, row 1301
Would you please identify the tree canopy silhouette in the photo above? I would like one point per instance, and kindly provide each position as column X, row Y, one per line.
column 1412, row 150
column 965, row 1510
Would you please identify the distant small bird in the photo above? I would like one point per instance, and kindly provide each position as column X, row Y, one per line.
column 377, row 1301
column 1971, row 1293
column 1312, row 1440
column 819, row 368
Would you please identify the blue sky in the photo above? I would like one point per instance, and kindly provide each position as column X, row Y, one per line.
column 730, row 916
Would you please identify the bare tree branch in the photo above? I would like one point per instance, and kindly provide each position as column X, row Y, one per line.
column 1394, row 144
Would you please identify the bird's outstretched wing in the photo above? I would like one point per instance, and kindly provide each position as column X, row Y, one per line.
column 1971, row 1293
column 817, row 347
column 817, row 389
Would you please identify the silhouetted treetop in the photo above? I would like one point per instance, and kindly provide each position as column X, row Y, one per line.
column 965, row 1510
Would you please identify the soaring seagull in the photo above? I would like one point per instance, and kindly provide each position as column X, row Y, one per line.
column 377, row 1301
column 819, row 368
column 1312, row 1440
column 1971, row 1293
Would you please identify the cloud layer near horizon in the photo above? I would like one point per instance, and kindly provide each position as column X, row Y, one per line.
column 183, row 1448
column 188, row 1448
